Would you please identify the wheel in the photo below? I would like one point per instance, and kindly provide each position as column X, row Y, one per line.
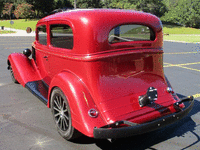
column 62, row 115
column 12, row 75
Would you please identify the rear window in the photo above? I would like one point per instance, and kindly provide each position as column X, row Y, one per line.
column 131, row 32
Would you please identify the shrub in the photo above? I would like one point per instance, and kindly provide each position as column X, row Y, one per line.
column 7, row 10
column 183, row 12
column 24, row 11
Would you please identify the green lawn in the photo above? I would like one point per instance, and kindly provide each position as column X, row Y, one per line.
column 6, row 32
column 183, row 38
column 179, row 33
column 19, row 24
column 171, row 29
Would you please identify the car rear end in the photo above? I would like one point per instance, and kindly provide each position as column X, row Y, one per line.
column 135, row 96
column 131, row 91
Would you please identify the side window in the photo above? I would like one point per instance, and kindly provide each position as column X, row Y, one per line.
column 61, row 36
column 42, row 35
column 131, row 32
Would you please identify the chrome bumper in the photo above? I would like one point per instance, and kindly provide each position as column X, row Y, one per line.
column 111, row 130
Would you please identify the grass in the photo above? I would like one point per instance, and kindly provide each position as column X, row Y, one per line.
column 183, row 38
column 179, row 33
column 19, row 24
column 171, row 29
column 6, row 32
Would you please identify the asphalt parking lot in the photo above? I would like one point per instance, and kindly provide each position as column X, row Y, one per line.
column 26, row 123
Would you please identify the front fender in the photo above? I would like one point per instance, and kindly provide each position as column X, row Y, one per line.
column 80, row 102
column 24, row 68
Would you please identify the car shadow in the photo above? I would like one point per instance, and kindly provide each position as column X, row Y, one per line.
column 147, row 140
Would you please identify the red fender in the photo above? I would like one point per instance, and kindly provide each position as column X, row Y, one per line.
column 80, row 102
column 24, row 68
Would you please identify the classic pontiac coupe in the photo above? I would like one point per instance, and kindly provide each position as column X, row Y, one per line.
column 101, row 73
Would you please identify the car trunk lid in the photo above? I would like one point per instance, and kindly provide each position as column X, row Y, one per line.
column 123, row 79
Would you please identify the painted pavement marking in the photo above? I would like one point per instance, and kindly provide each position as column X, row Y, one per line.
column 196, row 95
column 183, row 53
column 186, row 64
column 182, row 66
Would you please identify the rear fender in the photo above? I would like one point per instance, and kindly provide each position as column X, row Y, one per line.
column 24, row 68
column 80, row 102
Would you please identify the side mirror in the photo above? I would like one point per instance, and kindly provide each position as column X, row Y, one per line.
column 27, row 52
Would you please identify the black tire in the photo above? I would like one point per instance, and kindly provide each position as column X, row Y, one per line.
column 62, row 116
column 13, row 76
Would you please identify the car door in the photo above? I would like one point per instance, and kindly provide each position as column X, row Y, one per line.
column 60, row 46
column 42, row 52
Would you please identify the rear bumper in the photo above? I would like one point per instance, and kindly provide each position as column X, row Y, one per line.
column 111, row 131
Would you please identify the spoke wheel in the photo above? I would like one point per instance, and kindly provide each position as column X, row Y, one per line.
column 12, row 75
column 62, row 115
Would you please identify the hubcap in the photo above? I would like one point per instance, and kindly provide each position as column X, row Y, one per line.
column 61, row 113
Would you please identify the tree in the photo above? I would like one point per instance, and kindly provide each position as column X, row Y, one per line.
column 156, row 7
column 63, row 4
column 1, row 6
column 184, row 12
column 43, row 7
column 120, row 4
column 24, row 11
column 88, row 3
column 7, row 11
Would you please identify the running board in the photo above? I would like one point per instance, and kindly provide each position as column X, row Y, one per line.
column 39, row 89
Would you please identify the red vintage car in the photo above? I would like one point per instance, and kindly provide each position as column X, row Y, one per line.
column 101, row 73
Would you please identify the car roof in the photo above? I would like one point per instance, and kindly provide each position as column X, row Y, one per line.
column 92, row 26
column 105, row 15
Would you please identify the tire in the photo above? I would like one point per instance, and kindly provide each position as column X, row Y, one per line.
column 13, row 76
column 62, row 115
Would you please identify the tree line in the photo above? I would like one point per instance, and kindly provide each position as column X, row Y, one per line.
column 181, row 12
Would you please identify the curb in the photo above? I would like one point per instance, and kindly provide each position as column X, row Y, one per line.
column 18, row 32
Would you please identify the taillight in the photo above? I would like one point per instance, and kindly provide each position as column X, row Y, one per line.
column 93, row 113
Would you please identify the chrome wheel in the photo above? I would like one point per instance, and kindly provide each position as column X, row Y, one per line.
column 61, row 114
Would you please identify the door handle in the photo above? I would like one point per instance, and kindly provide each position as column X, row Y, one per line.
column 45, row 57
